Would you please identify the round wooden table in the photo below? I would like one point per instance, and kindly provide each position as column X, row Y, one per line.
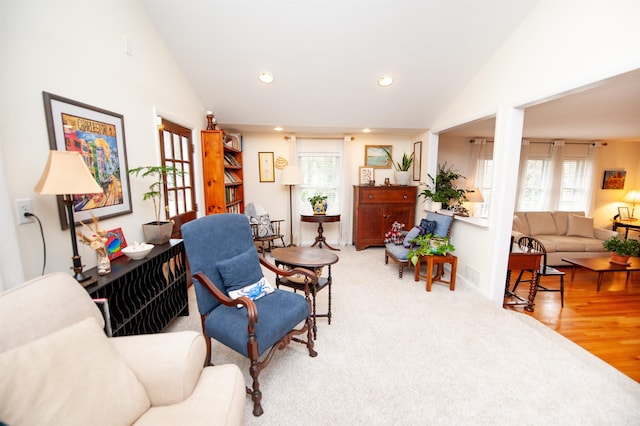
column 312, row 259
column 320, row 219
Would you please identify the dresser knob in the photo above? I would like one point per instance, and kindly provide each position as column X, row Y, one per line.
column 405, row 197
column 371, row 196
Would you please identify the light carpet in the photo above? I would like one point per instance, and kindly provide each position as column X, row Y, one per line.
column 395, row 354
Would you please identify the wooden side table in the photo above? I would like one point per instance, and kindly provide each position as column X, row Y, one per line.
column 320, row 219
column 439, row 261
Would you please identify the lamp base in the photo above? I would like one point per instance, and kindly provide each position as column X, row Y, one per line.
column 77, row 270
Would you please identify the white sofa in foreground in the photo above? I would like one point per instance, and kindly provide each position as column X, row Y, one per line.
column 59, row 367
column 563, row 234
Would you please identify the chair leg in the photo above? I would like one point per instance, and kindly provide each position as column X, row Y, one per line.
column 256, row 393
column 562, row 290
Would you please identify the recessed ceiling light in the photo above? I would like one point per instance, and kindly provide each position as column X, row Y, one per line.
column 278, row 129
column 266, row 77
column 367, row 130
column 385, row 81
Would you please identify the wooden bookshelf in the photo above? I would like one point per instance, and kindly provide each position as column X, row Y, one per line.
column 222, row 172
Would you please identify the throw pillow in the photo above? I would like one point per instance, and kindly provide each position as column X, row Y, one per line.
column 263, row 223
column 411, row 235
column 254, row 291
column 580, row 226
column 443, row 223
column 541, row 223
column 429, row 226
column 241, row 270
column 72, row 376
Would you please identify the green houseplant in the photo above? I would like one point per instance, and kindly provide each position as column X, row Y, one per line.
column 428, row 245
column 401, row 174
column 158, row 231
column 318, row 203
column 443, row 188
column 621, row 250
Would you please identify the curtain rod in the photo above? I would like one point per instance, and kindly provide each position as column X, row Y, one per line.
column 344, row 138
column 592, row 143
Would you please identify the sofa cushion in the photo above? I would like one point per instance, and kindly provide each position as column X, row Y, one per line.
column 541, row 223
column 562, row 220
column 413, row 233
column 580, row 226
column 570, row 244
column 443, row 223
column 520, row 225
column 73, row 376
column 550, row 242
column 241, row 270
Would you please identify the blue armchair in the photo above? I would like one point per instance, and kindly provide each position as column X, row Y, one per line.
column 223, row 257
column 440, row 226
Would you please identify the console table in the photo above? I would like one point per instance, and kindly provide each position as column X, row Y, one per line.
column 320, row 219
column 143, row 296
column 626, row 224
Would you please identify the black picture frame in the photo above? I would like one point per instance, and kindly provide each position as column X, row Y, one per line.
column 98, row 135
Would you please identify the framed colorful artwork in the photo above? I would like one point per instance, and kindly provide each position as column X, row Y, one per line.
column 614, row 179
column 98, row 135
column 115, row 243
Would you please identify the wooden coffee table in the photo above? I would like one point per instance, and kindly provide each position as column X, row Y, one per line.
column 308, row 258
column 602, row 265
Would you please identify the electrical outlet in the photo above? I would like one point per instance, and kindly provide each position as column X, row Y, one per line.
column 23, row 206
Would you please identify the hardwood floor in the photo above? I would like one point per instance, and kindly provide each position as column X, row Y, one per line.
column 606, row 323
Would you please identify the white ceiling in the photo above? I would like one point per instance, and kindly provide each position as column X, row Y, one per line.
column 327, row 56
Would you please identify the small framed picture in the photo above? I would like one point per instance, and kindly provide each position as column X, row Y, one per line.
column 417, row 160
column 624, row 213
column 375, row 156
column 115, row 243
column 265, row 166
column 366, row 175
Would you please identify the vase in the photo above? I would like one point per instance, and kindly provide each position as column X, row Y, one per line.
column 320, row 207
column 104, row 264
column 401, row 177
column 436, row 206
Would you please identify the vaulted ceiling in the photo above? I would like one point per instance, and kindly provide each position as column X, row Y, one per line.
column 326, row 57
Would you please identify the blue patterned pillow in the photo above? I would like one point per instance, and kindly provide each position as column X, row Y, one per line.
column 429, row 226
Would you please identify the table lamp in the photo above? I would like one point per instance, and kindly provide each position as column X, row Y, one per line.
column 291, row 175
column 475, row 196
column 632, row 197
column 66, row 174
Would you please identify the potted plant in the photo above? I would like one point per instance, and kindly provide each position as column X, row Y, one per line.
column 318, row 204
column 158, row 231
column 428, row 245
column 401, row 174
column 443, row 188
column 621, row 250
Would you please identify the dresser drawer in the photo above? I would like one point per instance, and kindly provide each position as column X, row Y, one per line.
column 397, row 195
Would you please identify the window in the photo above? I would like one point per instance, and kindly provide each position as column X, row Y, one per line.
column 321, row 173
column 176, row 150
column 556, row 176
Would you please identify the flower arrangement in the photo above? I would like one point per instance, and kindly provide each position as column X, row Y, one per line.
column 97, row 237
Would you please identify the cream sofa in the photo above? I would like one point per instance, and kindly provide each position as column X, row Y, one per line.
column 59, row 367
column 563, row 234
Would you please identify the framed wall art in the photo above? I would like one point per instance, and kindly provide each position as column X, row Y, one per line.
column 613, row 179
column 265, row 165
column 417, row 160
column 376, row 157
column 98, row 135
column 366, row 175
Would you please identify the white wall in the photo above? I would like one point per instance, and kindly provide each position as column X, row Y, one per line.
column 76, row 50
column 560, row 46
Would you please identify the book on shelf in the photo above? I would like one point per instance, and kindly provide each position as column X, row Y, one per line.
column 233, row 140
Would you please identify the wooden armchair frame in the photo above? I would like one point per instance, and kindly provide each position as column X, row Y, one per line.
column 257, row 365
column 269, row 240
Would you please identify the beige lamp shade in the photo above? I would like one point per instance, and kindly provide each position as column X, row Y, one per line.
column 632, row 197
column 291, row 175
column 475, row 196
column 66, row 173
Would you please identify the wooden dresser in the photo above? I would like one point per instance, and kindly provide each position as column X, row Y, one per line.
column 375, row 208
